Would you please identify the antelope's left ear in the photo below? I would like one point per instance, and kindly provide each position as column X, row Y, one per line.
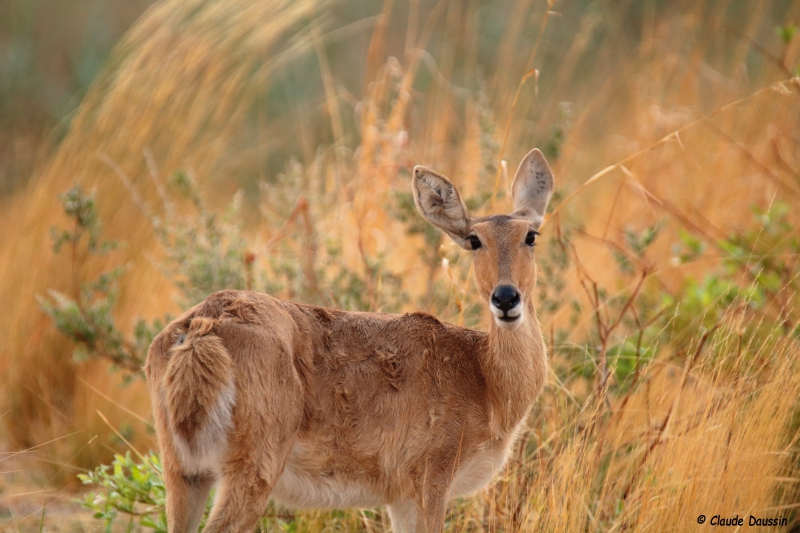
column 532, row 188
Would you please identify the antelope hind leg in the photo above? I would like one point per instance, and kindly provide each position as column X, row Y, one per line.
column 254, row 464
column 186, row 499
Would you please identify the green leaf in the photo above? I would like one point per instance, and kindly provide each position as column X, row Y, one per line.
column 787, row 32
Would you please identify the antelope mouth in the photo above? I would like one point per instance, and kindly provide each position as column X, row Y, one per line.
column 508, row 323
column 509, row 319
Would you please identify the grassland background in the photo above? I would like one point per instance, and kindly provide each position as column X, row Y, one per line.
column 329, row 105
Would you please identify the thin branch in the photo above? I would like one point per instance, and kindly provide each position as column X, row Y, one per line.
column 780, row 64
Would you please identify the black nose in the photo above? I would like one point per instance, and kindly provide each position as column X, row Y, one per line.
column 505, row 297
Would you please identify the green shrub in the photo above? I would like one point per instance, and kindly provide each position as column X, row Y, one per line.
column 133, row 490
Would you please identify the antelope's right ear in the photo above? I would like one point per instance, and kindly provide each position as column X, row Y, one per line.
column 439, row 202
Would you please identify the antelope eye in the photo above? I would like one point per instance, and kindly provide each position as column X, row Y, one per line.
column 530, row 238
column 474, row 242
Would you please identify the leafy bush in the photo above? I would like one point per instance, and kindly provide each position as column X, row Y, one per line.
column 85, row 316
column 134, row 490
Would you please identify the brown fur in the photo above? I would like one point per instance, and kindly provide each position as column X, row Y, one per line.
column 324, row 408
column 198, row 371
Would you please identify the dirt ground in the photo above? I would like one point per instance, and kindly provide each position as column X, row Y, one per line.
column 28, row 504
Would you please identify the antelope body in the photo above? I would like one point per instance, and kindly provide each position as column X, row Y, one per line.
column 322, row 408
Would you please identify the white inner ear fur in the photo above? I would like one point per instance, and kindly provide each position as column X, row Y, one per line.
column 533, row 186
column 438, row 201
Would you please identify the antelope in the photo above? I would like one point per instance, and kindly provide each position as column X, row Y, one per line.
column 322, row 408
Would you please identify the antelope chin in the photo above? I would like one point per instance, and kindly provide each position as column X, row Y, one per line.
column 508, row 321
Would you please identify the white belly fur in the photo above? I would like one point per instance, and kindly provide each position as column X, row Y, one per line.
column 300, row 488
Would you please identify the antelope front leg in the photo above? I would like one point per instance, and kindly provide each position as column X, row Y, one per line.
column 411, row 516
column 403, row 515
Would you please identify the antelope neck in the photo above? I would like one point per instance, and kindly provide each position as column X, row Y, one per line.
column 514, row 365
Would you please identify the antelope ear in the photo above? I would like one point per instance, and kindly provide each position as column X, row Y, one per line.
column 532, row 187
column 438, row 201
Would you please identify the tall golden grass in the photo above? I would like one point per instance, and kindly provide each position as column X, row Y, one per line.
column 677, row 118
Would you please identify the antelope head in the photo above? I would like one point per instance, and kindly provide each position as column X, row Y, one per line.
column 503, row 245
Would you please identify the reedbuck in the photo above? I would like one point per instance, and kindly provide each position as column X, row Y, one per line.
column 322, row 408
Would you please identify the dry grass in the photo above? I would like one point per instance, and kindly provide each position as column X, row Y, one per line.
column 186, row 89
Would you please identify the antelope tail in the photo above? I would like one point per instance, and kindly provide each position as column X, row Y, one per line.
column 198, row 391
